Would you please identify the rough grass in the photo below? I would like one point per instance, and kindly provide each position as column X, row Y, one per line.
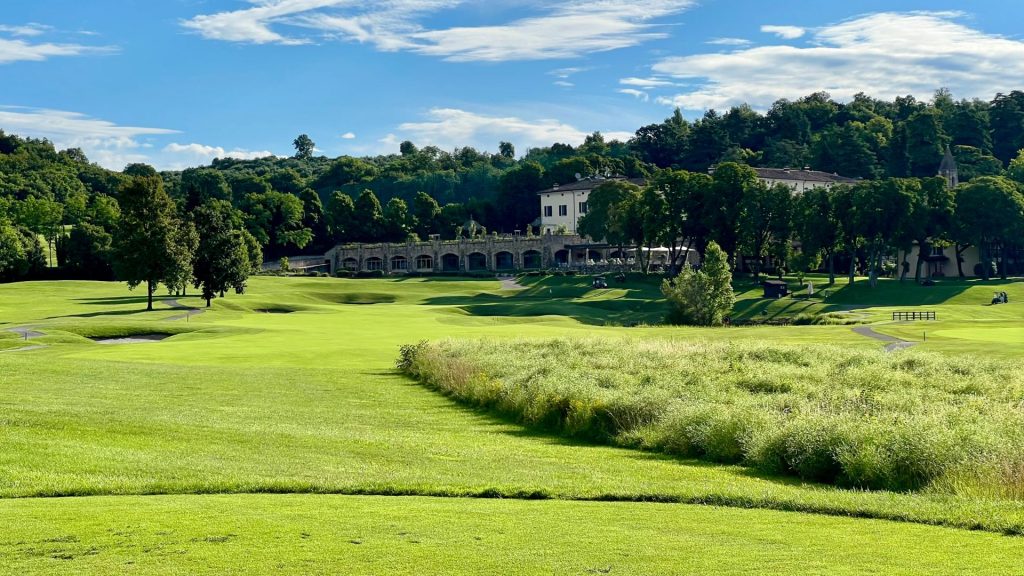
column 863, row 419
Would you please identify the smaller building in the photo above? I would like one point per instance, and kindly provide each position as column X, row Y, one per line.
column 775, row 288
column 801, row 180
column 563, row 205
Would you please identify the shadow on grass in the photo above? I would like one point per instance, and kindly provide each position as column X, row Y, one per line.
column 506, row 425
column 108, row 313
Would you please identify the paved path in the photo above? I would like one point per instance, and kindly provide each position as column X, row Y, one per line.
column 190, row 311
column 26, row 333
column 511, row 284
column 893, row 343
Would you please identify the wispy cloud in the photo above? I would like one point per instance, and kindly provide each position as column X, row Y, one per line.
column 451, row 127
column 104, row 142
column 786, row 32
column 563, row 83
column 563, row 30
column 729, row 42
column 885, row 54
column 646, row 82
column 15, row 50
column 30, row 29
column 639, row 94
column 349, row 136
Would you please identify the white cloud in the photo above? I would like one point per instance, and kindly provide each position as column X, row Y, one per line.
column 640, row 94
column 349, row 136
column 449, row 128
column 567, row 72
column 564, row 84
column 30, row 29
column 104, row 142
column 728, row 42
column 645, row 82
column 787, row 32
column 885, row 55
column 209, row 153
column 20, row 50
column 569, row 28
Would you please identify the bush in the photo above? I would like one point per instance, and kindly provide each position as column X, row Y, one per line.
column 701, row 297
column 344, row 274
column 370, row 274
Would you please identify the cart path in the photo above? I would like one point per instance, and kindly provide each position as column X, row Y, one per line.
column 190, row 311
column 26, row 332
column 511, row 284
column 893, row 343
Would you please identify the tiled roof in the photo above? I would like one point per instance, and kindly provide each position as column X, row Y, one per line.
column 801, row 175
column 590, row 184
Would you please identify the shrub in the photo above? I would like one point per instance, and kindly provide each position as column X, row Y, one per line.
column 701, row 297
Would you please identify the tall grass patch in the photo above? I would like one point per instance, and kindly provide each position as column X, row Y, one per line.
column 867, row 419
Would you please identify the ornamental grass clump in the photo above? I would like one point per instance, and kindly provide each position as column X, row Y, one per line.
column 865, row 419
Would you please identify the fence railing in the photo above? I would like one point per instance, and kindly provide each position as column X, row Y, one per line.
column 904, row 316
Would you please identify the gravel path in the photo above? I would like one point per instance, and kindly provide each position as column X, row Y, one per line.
column 893, row 343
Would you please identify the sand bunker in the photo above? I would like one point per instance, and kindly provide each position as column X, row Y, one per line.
column 136, row 339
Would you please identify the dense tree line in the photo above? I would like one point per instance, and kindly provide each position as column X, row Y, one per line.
column 307, row 203
column 867, row 223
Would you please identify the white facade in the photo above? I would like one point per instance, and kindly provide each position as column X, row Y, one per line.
column 558, row 208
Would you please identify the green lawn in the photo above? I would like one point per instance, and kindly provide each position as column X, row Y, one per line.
column 309, row 534
column 291, row 388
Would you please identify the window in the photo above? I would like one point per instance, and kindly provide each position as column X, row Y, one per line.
column 547, row 211
column 424, row 262
column 937, row 251
column 563, row 210
column 373, row 264
column 583, row 207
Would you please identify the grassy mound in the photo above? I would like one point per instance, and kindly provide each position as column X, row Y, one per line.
column 854, row 418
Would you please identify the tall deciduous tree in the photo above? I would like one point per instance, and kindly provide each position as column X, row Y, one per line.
column 144, row 238
column 304, row 147
column 368, row 225
column 990, row 214
column 222, row 256
column 765, row 217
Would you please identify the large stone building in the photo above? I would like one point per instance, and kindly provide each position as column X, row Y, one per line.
column 485, row 254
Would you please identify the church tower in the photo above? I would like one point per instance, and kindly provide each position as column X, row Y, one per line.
column 948, row 169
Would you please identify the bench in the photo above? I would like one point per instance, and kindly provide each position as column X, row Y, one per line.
column 904, row 316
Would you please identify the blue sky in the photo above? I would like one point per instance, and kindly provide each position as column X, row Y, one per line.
column 179, row 82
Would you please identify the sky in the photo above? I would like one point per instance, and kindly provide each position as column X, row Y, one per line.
column 177, row 83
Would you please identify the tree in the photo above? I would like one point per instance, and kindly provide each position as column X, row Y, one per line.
column 276, row 220
column 702, row 297
column 143, row 241
column 41, row 216
column 817, row 226
column 765, row 217
column 304, row 147
column 990, row 215
column 201, row 184
column 184, row 244
column 368, row 224
column 507, row 150
column 723, row 205
column 607, row 209
column 341, row 217
column 425, row 212
column 683, row 193
column 88, row 252
column 517, row 195
column 218, row 262
column 397, row 222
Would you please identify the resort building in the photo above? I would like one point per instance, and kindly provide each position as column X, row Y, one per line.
column 801, row 180
column 562, row 206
